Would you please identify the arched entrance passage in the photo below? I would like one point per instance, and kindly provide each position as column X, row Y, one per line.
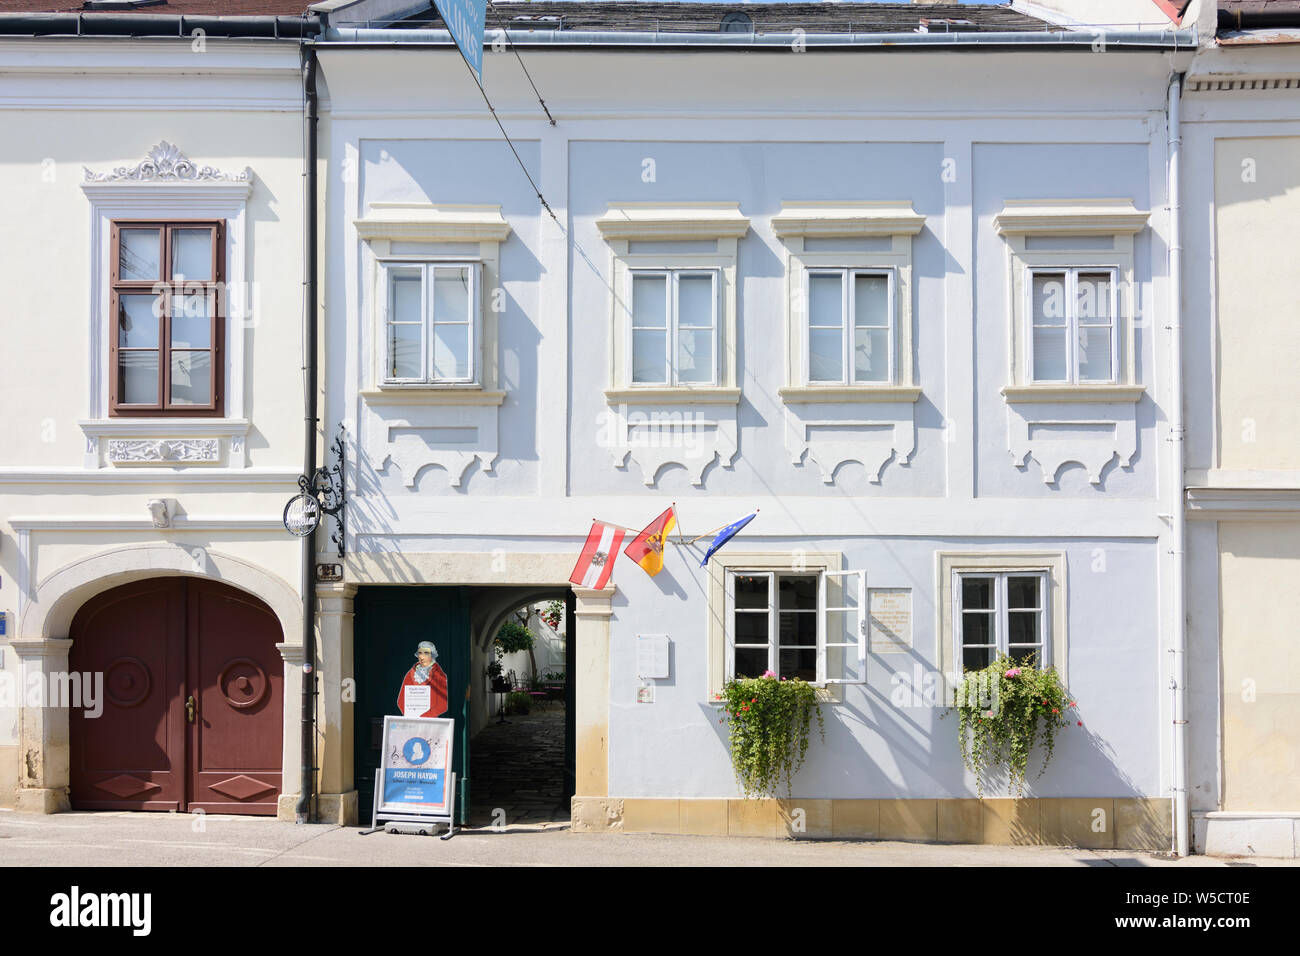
column 191, row 708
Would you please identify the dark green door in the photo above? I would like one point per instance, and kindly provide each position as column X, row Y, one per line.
column 390, row 621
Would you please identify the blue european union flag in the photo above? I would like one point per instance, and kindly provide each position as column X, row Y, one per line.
column 725, row 535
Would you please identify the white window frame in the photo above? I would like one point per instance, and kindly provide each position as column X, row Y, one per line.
column 1059, row 235
column 853, row 578
column 673, row 302
column 849, row 325
column 1001, row 612
column 1071, row 293
column 948, row 564
column 391, row 266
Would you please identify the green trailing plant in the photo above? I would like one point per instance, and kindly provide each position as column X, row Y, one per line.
column 768, row 724
column 1004, row 710
column 518, row 702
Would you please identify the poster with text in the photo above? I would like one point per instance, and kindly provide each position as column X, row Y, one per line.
column 416, row 765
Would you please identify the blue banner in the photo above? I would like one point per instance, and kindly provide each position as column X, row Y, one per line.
column 415, row 788
column 464, row 18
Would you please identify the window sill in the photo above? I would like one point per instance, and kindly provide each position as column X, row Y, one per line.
column 824, row 696
column 1105, row 394
column 161, row 426
column 679, row 395
column 805, row 394
column 433, row 395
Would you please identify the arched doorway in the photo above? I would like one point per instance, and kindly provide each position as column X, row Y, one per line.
column 192, row 699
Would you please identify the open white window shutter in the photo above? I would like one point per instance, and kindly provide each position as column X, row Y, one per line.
column 852, row 640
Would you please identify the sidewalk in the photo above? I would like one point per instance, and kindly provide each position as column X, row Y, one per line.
column 158, row 839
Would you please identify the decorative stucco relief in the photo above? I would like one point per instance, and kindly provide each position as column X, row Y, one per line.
column 651, row 435
column 1054, row 435
column 182, row 451
column 869, row 433
column 412, row 438
column 167, row 164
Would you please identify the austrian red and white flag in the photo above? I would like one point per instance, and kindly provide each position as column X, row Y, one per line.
column 597, row 561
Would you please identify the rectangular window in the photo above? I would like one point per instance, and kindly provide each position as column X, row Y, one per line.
column 850, row 327
column 674, row 327
column 806, row 625
column 1072, row 324
column 431, row 323
column 167, row 295
column 1001, row 612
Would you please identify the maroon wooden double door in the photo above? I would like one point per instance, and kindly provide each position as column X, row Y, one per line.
column 193, row 689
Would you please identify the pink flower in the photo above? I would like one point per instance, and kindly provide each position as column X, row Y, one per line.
column 1014, row 672
column 769, row 673
column 989, row 714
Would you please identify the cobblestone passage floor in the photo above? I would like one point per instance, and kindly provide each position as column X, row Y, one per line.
column 518, row 767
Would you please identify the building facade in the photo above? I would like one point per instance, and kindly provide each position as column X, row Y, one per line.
column 1242, row 162
column 784, row 277
column 153, row 415
column 903, row 280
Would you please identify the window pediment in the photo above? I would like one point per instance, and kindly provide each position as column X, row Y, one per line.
column 433, row 222
column 646, row 221
column 836, row 220
column 1070, row 217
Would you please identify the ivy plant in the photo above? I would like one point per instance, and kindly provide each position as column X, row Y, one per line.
column 768, row 724
column 1003, row 711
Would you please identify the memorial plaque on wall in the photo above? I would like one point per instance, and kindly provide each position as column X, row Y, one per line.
column 891, row 620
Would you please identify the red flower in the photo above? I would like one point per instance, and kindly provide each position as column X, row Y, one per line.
column 1081, row 723
column 1055, row 710
column 746, row 707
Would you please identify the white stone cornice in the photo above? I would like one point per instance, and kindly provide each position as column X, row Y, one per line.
column 433, row 222
column 668, row 221
column 31, row 648
column 846, row 219
column 1070, row 217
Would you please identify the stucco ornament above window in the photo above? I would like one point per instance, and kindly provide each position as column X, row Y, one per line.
column 1074, row 303
column 850, row 388
column 673, row 383
column 167, row 164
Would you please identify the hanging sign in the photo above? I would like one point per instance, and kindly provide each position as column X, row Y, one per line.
column 465, row 21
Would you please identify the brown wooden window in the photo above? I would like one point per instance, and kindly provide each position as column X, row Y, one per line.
column 168, row 334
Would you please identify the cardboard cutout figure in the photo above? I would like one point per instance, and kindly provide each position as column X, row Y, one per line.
column 424, row 688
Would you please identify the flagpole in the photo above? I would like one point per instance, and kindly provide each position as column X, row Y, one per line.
column 620, row 527
column 714, row 531
column 677, row 522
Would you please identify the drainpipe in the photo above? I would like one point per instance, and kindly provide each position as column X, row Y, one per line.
column 303, row 813
column 1177, row 436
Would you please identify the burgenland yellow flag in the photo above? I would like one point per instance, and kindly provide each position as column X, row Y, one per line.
column 647, row 549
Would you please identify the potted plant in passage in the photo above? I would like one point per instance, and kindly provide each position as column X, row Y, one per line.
column 497, row 677
column 768, row 723
column 1004, row 710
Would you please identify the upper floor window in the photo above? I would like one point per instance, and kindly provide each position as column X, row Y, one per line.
column 850, row 327
column 431, row 323
column 1073, row 328
column 674, row 325
column 673, row 283
column 1073, row 299
column 167, row 290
